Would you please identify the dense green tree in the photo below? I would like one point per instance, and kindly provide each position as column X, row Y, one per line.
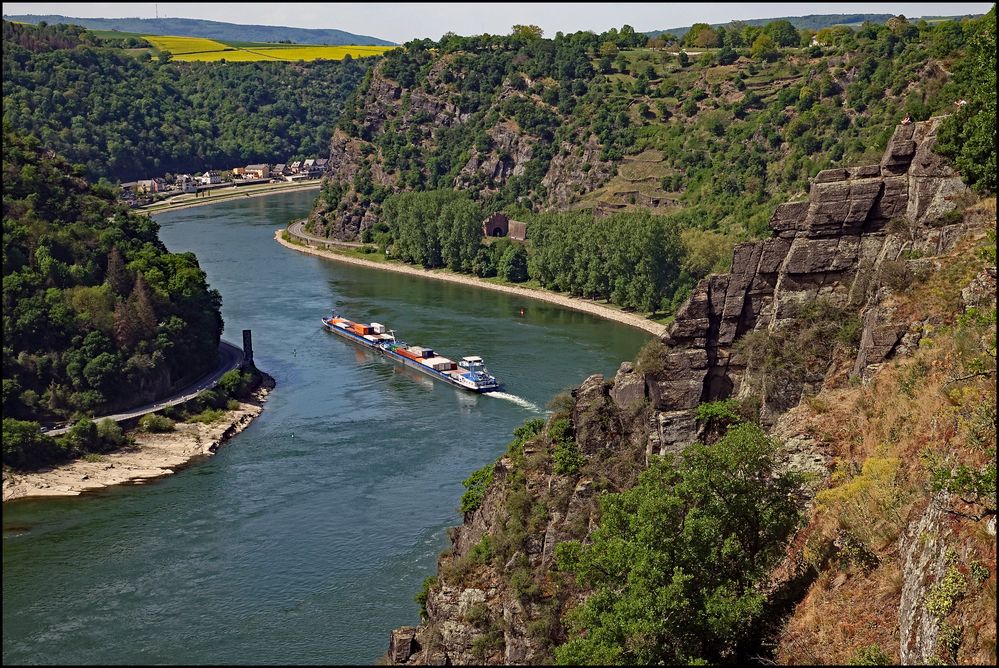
column 127, row 119
column 95, row 310
column 630, row 259
column 25, row 446
column 782, row 32
column 527, row 32
column 438, row 228
column 676, row 561
column 701, row 35
column 764, row 48
column 513, row 264
column 969, row 136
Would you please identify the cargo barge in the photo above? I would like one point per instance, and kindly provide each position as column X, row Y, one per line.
column 469, row 374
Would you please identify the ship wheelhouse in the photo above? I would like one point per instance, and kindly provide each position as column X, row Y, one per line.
column 473, row 364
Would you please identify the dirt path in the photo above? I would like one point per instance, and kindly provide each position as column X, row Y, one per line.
column 442, row 275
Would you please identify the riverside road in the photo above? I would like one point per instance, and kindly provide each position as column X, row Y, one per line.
column 230, row 357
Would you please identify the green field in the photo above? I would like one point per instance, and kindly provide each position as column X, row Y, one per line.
column 200, row 49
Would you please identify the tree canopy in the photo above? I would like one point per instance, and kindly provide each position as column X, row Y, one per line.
column 124, row 118
column 969, row 136
column 675, row 562
column 97, row 315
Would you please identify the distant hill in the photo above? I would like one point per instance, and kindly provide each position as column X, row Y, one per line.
column 211, row 29
column 810, row 22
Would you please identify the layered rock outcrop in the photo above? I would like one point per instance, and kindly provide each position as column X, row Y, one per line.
column 832, row 245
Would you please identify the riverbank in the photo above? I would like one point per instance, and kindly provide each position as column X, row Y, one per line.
column 246, row 192
column 152, row 456
column 574, row 303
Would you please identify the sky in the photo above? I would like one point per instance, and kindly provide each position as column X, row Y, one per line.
column 400, row 22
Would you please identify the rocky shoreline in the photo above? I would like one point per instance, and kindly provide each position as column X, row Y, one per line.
column 153, row 456
column 574, row 303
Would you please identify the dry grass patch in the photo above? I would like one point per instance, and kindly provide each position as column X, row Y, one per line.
column 843, row 612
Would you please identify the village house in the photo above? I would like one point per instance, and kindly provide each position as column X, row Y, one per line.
column 499, row 225
column 261, row 171
column 295, row 167
column 279, row 170
column 317, row 168
column 156, row 185
column 185, row 183
column 210, row 178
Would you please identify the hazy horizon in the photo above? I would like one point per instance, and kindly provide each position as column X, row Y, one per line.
column 401, row 22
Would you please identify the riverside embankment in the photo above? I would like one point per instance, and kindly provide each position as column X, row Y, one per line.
column 179, row 202
column 152, row 456
column 305, row 243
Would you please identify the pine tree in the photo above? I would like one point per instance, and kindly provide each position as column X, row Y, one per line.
column 117, row 275
column 142, row 307
column 125, row 332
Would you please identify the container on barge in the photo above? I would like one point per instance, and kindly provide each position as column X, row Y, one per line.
column 469, row 374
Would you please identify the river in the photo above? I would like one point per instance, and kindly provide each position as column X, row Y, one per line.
column 305, row 538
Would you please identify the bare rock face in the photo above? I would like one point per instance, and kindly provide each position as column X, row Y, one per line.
column 629, row 387
column 933, row 183
column 570, row 174
column 981, row 290
column 882, row 333
column 510, row 153
column 923, row 562
column 832, row 246
column 594, row 416
column 402, row 644
column 900, row 151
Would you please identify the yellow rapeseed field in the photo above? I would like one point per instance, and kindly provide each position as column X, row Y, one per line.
column 201, row 49
column 182, row 45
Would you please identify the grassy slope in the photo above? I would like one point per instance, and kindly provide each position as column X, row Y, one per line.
column 883, row 438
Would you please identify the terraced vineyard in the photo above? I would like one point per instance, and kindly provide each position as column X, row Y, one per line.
column 200, row 49
column 637, row 186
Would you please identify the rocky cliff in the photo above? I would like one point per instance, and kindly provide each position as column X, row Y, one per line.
column 398, row 127
column 812, row 310
column 832, row 247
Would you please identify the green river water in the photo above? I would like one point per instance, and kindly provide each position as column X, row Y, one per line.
column 305, row 538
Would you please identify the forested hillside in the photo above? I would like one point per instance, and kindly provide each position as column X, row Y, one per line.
column 581, row 134
column 811, row 22
column 126, row 118
column 613, row 122
column 802, row 469
column 97, row 315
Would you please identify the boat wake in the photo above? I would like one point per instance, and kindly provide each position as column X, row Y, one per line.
column 520, row 401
